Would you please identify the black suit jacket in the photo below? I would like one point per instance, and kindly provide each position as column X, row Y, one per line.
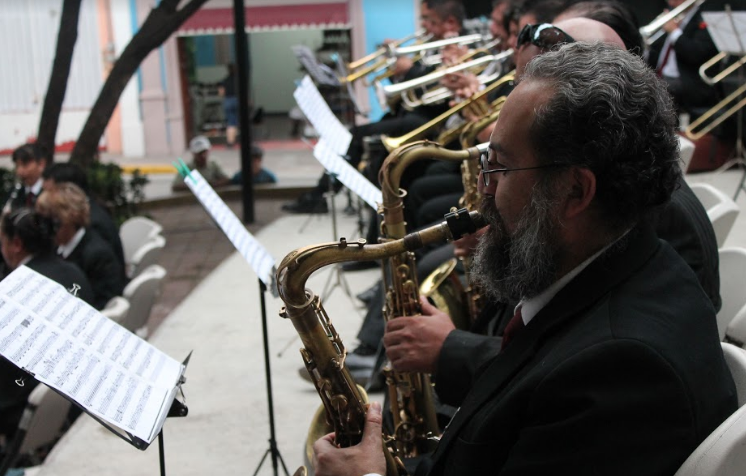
column 621, row 373
column 103, row 223
column 694, row 47
column 99, row 263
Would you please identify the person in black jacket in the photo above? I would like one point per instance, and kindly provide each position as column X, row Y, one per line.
column 101, row 219
column 27, row 238
column 595, row 374
column 29, row 161
column 77, row 242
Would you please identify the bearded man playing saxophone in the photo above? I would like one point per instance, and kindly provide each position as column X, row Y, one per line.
column 597, row 373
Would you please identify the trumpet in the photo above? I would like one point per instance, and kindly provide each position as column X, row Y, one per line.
column 392, row 143
column 360, row 68
column 395, row 90
column 654, row 30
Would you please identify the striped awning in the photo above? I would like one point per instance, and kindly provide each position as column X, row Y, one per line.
column 215, row 21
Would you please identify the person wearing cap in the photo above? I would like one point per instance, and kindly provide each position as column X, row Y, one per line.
column 210, row 170
column 259, row 173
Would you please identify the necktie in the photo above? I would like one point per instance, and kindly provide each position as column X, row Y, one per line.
column 666, row 54
column 30, row 199
column 514, row 326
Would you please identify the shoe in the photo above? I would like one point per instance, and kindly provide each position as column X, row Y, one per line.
column 307, row 203
column 357, row 362
column 359, row 265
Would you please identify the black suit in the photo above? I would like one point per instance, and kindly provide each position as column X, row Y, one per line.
column 12, row 396
column 693, row 47
column 103, row 223
column 19, row 198
column 99, row 263
column 621, row 373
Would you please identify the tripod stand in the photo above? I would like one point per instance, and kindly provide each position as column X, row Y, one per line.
column 336, row 279
column 272, row 450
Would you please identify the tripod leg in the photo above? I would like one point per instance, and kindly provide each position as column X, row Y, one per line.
column 261, row 462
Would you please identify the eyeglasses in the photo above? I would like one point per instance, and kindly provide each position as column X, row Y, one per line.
column 543, row 35
column 484, row 163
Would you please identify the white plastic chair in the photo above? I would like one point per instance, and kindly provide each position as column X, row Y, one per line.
column 134, row 232
column 733, row 293
column 723, row 453
column 142, row 293
column 41, row 424
column 686, row 148
column 147, row 254
column 116, row 309
column 721, row 210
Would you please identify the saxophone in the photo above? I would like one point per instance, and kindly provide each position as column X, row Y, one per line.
column 410, row 394
column 323, row 351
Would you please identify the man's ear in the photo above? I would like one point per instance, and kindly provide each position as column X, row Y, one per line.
column 580, row 191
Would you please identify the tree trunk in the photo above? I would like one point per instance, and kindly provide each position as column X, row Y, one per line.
column 63, row 57
column 162, row 21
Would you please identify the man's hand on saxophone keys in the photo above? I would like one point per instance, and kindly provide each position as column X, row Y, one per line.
column 363, row 458
column 413, row 343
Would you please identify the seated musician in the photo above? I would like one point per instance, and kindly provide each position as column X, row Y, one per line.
column 677, row 55
column 441, row 18
column 596, row 373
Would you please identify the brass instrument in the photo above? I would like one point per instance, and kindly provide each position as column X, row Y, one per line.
column 654, row 30
column 419, row 34
column 488, row 115
column 410, row 394
column 360, row 68
column 392, row 143
column 324, row 353
column 395, row 90
column 394, row 51
column 724, row 73
column 706, row 120
column 443, row 285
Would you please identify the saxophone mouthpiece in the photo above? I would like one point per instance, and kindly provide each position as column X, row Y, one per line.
column 463, row 222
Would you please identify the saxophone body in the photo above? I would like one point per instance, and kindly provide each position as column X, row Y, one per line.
column 410, row 394
column 323, row 351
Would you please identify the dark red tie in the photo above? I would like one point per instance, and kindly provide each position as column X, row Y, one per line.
column 514, row 327
column 30, row 199
column 666, row 54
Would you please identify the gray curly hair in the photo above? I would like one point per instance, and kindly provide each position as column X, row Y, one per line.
column 612, row 115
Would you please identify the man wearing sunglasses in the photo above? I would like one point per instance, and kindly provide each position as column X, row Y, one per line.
column 596, row 376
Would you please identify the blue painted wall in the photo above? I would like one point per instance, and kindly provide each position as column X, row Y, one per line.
column 386, row 19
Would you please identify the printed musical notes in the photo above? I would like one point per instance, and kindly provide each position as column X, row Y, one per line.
column 250, row 248
column 317, row 111
column 76, row 350
column 347, row 174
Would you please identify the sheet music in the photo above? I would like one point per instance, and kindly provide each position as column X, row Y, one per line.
column 721, row 30
column 347, row 174
column 317, row 111
column 250, row 248
column 71, row 347
column 322, row 73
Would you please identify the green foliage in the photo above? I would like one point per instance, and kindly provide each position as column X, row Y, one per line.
column 7, row 182
column 106, row 183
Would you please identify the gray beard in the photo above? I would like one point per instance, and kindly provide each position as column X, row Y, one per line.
column 511, row 268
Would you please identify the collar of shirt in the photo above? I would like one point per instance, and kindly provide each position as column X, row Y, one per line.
column 36, row 187
column 66, row 249
column 531, row 307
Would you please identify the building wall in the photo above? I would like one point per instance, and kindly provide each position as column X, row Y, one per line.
column 28, row 37
column 387, row 19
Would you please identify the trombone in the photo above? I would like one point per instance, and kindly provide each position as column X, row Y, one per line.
column 724, row 73
column 692, row 131
column 384, row 49
column 654, row 30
